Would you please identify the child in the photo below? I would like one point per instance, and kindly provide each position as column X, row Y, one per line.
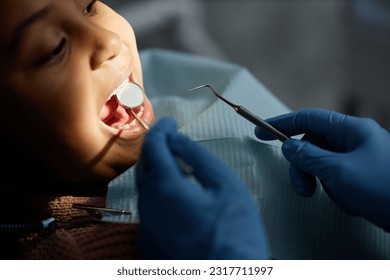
column 61, row 62
column 68, row 141
column 62, row 130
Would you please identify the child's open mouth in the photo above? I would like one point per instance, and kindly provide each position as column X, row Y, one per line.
column 127, row 111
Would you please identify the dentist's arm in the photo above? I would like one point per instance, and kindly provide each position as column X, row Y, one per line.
column 349, row 155
column 210, row 216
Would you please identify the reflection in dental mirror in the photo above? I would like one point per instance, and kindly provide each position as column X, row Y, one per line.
column 130, row 95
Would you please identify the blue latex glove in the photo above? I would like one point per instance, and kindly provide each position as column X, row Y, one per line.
column 349, row 155
column 209, row 216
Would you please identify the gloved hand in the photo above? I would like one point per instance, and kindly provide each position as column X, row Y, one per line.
column 209, row 216
column 349, row 155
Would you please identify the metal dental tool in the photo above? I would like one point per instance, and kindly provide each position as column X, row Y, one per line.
column 44, row 225
column 104, row 214
column 248, row 115
column 141, row 121
column 130, row 95
column 100, row 209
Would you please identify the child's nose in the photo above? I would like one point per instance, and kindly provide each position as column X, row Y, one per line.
column 107, row 45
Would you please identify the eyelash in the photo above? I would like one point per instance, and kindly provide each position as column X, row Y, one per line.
column 55, row 53
column 90, row 8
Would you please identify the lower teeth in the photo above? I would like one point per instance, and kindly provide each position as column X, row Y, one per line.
column 125, row 125
column 128, row 125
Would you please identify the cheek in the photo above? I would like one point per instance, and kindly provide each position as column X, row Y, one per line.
column 117, row 24
column 24, row 103
column 128, row 36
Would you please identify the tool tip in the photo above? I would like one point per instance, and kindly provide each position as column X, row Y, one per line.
column 198, row 87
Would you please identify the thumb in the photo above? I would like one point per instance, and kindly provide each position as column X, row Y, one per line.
column 207, row 168
column 309, row 158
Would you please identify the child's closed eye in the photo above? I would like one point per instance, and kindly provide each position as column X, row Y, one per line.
column 54, row 53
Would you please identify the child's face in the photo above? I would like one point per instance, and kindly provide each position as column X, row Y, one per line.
column 60, row 63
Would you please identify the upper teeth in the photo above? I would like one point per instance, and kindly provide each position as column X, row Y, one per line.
column 118, row 89
column 121, row 87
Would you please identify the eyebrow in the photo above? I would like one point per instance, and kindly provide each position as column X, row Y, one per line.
column 21, row 28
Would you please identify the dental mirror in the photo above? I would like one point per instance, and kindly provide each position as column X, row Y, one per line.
column 130, row 95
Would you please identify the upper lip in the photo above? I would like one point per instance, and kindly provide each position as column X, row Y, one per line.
column 117, row 83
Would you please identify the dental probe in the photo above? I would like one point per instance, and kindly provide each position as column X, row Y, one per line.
column 130, row 95
column 256, row 120
column 141, row 121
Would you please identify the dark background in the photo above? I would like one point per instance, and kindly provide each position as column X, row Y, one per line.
column 333, row 54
